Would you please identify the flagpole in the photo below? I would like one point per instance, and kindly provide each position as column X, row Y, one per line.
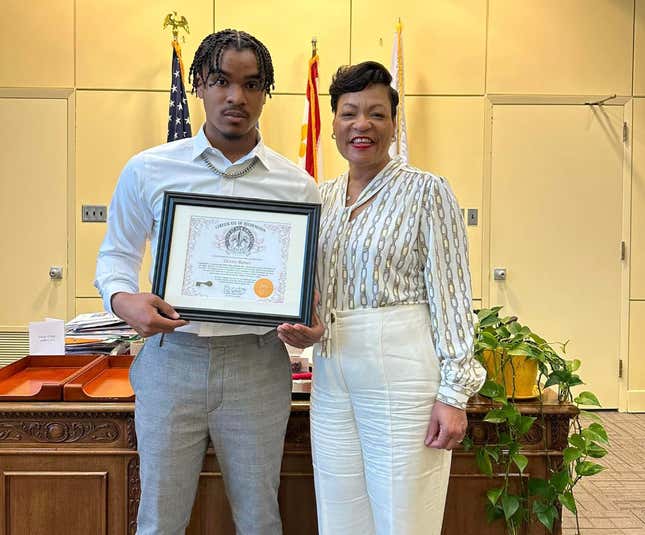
column 399, row 75
column 314, row 112
column 309, row 152
column 179, row 126
column 399, row 146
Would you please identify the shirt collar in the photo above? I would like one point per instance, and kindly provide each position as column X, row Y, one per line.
column 201, row 145
column 383, row 177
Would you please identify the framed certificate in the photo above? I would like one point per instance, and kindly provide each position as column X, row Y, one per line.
column 234, row 260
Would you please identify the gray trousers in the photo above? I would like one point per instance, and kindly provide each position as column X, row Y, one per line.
column 235, row 389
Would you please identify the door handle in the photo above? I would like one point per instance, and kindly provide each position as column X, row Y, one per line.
column 55, row 273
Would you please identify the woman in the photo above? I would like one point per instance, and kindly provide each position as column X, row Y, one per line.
column 394, row 369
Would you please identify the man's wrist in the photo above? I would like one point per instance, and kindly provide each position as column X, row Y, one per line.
column 112, row 299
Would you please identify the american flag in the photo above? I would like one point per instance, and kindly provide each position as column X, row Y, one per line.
column 178, row 117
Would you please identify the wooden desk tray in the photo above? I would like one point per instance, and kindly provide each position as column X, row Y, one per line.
column 106, row 380
column 41, row 377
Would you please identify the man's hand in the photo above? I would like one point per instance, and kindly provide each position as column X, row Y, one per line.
column 146, row 313
column 299, row 335
column 447, row 426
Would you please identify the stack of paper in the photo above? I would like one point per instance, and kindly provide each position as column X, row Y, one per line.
column 98, row 332
column 97, row 323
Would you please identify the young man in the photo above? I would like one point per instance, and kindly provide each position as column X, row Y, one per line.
column 229, row 382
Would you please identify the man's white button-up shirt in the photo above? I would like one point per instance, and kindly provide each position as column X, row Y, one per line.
column 134, row 215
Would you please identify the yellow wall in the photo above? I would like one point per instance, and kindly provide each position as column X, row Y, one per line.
column 458, row 54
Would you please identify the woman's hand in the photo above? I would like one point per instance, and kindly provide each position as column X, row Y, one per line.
column 301, row 336
column 447, row 426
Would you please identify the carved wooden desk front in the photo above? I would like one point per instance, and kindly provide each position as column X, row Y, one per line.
column 73, row 468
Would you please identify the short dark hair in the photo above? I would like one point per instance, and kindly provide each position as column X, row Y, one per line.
column 353, row 78
column 209, row 56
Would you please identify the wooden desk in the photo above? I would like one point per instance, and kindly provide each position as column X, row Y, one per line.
column 73, row 468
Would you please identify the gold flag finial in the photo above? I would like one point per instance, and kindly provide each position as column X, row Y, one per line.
column 314, row 46
column 399, row 25
column 172, row 19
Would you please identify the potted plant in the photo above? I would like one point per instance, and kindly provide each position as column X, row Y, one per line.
column 508, row 349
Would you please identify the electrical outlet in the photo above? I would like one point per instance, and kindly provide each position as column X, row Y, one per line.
column 92, row 213
column 472, row 216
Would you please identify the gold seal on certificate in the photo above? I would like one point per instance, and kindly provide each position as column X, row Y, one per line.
column 233, row 260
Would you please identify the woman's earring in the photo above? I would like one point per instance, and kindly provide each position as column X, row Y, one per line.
column 333, row 135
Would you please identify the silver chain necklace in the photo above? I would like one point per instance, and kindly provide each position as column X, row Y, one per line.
column 224, row 174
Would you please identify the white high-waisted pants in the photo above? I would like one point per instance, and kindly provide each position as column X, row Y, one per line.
column 370, row 408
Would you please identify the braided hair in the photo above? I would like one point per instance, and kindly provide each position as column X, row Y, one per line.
column 209, row 56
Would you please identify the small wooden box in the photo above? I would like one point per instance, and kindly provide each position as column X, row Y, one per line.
column 41, row 377
column 105, row 380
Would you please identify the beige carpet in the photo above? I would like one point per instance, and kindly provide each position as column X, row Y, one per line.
column 613, row 501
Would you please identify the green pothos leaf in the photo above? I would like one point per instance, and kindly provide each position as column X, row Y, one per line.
column 545, row 513
column 588, row 468
column 596, row 451
column 510, row 505
column 483, row 462
column 494, row 494
column 560, row 480
column 520, row 461
column 587, row 398
column 571, row 454
column 568, row 501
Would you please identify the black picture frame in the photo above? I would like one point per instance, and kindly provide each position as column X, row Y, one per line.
column 190, row 219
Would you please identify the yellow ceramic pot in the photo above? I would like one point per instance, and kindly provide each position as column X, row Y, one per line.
column 524, row 369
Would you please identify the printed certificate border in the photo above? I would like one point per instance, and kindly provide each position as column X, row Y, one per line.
column 219, row 205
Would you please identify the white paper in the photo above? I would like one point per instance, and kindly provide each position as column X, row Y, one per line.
column 47, row 337
column 223, row 260
column 244, row 260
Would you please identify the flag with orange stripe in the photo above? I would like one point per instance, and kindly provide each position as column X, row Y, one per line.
column 310, row 153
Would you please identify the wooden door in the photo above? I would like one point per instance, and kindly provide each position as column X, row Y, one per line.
column 556, row 196
column 33, row 212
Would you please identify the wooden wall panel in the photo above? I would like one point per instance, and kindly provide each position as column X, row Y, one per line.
column 639, row 48
column 286, row 28
column 88, row 304
column 444, row 42
column 80, row 505
column 121, row 44
column 636, row 372
column 637, row 248
column 555, row 47
column 211, row 511
column 37, row 43
column 33, row 209
column 446, row 138
column 297, row 489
